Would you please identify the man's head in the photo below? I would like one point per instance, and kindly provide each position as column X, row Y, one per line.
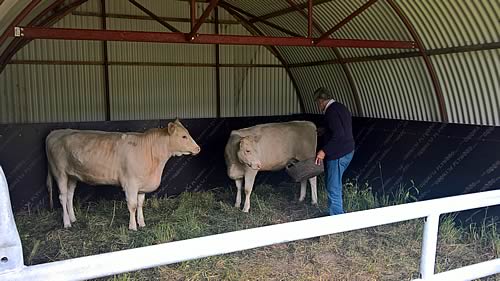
column 321, row 97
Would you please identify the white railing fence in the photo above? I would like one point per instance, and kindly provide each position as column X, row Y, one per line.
column 12, row 268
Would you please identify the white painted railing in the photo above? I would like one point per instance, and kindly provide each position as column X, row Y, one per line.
column 12, row 268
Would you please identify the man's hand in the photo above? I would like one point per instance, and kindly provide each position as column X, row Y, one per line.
column 319, row 157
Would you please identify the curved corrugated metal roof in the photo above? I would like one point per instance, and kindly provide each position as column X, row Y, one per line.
column 460, row 37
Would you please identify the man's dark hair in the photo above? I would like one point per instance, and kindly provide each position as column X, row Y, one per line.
column 322, row 94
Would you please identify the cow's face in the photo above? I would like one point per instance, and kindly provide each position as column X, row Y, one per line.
column 181, row 142
column 249, row 152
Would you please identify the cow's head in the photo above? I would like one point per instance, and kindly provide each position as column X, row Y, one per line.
column 249, row 153
column 181, row 143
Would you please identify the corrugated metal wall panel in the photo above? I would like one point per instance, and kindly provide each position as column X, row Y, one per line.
column 330, row 76
column 51, row 93
column 452, row 23
column 257, row 92
column 397, row 89
column 471, row 86
column 66, row 50
column 150, row 92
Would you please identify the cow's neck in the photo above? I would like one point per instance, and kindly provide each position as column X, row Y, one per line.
column 158, row 145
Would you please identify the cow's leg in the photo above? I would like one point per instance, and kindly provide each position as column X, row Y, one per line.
column 239, row 185
column 131, row 196
column 140, row 214
column 62, row 183
column 314, row 190
column 249, row 180
column 303, row 186
column 71, row 193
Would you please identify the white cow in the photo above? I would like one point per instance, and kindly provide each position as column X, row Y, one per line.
column 269, row 147
column 134, row 161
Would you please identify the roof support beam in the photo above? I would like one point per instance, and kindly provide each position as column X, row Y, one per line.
column 20, row 17
column 166, row 37
column 192, row 12
column 153, row 16
column 201, row 20
column 346, row 20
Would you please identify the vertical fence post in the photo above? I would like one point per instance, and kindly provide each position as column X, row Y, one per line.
column 11, row 252
column 429, row 244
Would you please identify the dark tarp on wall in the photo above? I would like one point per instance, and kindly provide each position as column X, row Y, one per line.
column 438, row 159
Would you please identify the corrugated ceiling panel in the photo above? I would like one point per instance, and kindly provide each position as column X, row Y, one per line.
column 330, row 76
column 257, row 92
column 452, row 23
column 397, row 89
column 294, row 22
column 471, row 86
column 93, row 6
column 51, row 93
column 152, row 92
column 65, row 50
column 259, row 7
column 157, row 52
column 160, row 8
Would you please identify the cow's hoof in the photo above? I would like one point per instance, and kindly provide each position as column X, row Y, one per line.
column 237, row 205
column 72, row 219
column 315, row 204
column 142, row 224
column 67, row 225
column 134, row 228
column 246, row 210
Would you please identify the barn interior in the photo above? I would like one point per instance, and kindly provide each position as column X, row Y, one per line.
column 420, row 77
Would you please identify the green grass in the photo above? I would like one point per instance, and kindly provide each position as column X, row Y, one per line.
column 388, row 252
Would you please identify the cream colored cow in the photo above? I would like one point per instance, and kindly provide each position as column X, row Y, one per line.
column 134, row 161
column 269, row 147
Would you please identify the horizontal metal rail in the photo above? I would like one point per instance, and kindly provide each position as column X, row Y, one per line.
column 168, row 253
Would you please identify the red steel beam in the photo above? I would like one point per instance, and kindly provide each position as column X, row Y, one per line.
column 201, row 20
column 427, row 61
column 346, row 20
column 165, row 37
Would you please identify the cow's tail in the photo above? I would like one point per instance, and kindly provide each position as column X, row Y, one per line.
column 49, row 187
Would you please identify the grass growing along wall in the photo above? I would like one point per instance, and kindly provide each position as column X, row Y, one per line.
column 388, row 252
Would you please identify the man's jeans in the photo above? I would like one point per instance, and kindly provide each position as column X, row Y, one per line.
column 334, row 170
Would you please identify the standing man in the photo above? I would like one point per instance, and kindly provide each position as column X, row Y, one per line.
column 338, row 147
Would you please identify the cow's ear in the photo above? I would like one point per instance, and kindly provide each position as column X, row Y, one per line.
column 171, row 128
column 177, row 120
column 241, row 141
